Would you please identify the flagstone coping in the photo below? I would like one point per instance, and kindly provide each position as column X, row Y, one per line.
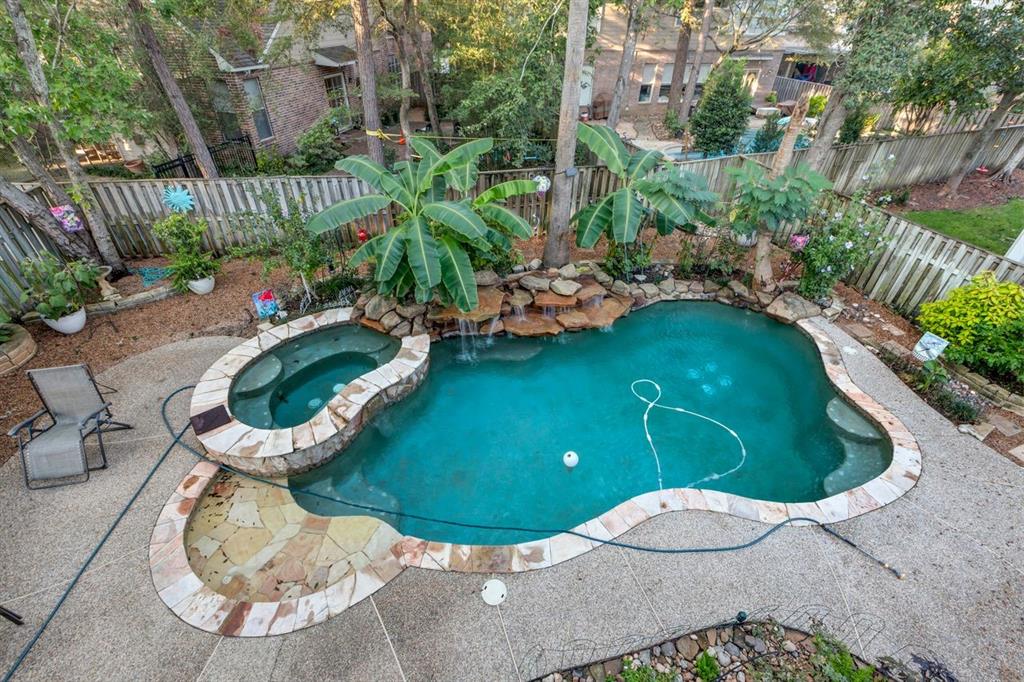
column 199, row 605
column 284, row 452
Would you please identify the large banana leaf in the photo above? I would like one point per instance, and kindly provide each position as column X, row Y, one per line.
column 345, row 212
column 458, row 216
column 394, row 188
column 641, row 162
column 592, row 221
column 437, row 190
column 463, row 178
column 422, row 251
column 626, row 215
column 673, row 208
column 457, row 274
column 429, row 156
column 364, row 168
column 504, row 190
column 389, row 253
column 365, row 252
column 461, row 155
column 507, row 219
column 606, row 144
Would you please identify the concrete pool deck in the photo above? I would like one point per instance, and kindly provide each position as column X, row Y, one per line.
column 956, row 536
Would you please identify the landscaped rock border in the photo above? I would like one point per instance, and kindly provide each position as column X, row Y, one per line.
column 197, row 604
column 288, row 451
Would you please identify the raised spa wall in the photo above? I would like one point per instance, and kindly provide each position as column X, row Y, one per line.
column 288, row 451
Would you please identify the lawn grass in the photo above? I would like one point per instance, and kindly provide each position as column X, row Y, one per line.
column 990, row 227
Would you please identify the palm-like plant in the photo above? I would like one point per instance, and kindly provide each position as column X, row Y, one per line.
column 428, row 249
column 675, row 199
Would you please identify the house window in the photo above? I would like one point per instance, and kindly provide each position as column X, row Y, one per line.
column 647, row 83
column 260, row 117
column 392, row 64
column 227, row 117
column 337, row 93
column 702, row 75
column 666, row 82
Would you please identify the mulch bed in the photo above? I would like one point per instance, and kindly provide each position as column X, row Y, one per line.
column 109, row 339
column 976, row 190
column 882, row 322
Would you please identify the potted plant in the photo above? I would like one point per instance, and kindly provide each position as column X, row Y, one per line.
column 58, row 290
column 192, row 269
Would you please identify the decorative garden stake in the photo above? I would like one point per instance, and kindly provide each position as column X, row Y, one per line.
column 362, row 235
column 178, row 199
column 543, row 184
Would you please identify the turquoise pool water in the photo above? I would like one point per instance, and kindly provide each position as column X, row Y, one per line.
column 482, row 440
column 289, row 383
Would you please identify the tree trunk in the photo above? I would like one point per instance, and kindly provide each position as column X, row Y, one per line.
column 26, row 153
column 981, row 142
column 172, row 91
column 406, row 75
column 625, row 66
column 556, row 248
column 29, row 54
column 675, row 90
column 367, row 78
column 1005, row 173
column 784, row 155
column 831, row 121
column 423, row 64
column 39, row 217
column 698, row 59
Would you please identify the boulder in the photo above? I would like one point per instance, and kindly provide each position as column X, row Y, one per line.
column 487, row 278
column 418, row 327
column 667, row 286
column 390, row 320
column 589, row 291
column 603, row 277
column 711, row 287
column 603, row 315
column 739, row 289
column 535, row 264
column 401, row 329
column 565, row 287
column 573, row 321
column 411, row 310
column 521, row 298
column 650, row 291
column 568, row 272
column 789, row 308
column 619, row 287
column 489, row 301
column 535, row 283
column 532, row 324
column 549, row 299
column 764, row 298
column 378, row 305
column 372, row 324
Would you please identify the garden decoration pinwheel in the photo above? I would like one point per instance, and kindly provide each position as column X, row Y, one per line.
column 178, row 199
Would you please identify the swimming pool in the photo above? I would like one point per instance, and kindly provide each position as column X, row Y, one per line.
column 291, row 382
column 685, row 395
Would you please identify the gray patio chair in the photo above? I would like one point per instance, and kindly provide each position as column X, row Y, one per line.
column 76, row 408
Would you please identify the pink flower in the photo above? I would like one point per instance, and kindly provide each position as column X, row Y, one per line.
column 798, row 241
column 69, row 221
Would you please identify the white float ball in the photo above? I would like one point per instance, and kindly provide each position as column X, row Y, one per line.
column 570, row 459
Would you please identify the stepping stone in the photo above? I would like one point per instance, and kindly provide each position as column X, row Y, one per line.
column 1018, row 452
column 1004, row 425
column 893, row 329
column 860, row 331
column 979, row 431
column 895, row 348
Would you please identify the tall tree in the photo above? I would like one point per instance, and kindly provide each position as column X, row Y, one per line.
column 39, row 217
column 698, row 60
column 556, row 248
column 367, row 78
column 29, row 55
column 636, row 20
column 678, row 82
column 991, row 38
column 423, row 63
column 1005, row 174
column 196, row 141
column 396, row 25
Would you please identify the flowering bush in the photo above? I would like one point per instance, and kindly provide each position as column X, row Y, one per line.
column 836, row 244
column 68, row 219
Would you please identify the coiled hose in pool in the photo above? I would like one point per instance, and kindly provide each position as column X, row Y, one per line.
column 545, row 532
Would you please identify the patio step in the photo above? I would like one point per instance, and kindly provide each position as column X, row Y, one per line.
column 861, row 463
column 850, row 423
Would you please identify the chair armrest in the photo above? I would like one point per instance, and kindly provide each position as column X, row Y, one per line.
column 88, row 418
column 27, row 424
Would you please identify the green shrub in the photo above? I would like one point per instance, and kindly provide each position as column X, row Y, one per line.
column 621, row 261
column 707, row 667
column 722, row 113
column 771, row 98
column 768, row 137
column 110, row 170
column 714, row 259
column 57, row 289
column 763, row 202
column 633, row 671
column 837, row 244
column 188, row 260
column 835, row 662
column 318, row 147
column 5, row 331
column 984, row 324
column 816, row 105
column 856, row 122
column 674, row 125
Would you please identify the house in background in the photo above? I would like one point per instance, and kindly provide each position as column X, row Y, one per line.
column 649, row 81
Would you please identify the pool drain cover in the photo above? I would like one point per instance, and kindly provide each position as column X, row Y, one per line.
column 494, row 592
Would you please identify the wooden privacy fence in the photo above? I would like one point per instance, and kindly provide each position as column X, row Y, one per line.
column 229, row 204
column 792, row 89
column 913, row 264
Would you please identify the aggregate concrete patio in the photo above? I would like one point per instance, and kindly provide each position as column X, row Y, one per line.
column 957, row 537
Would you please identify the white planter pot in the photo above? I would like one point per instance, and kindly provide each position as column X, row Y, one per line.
column 745, row 239
column 201, row 286
column 69, row 324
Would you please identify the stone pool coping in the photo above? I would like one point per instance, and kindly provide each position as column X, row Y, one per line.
column 288, row 451
column 204, row 608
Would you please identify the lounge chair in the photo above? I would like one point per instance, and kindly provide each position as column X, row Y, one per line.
column 76, row 408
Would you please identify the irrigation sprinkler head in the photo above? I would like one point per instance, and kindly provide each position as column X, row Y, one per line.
column 570, row 459
column 493, row 592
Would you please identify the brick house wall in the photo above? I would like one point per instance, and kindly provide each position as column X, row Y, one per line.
column 296, row 98
column 657, row 47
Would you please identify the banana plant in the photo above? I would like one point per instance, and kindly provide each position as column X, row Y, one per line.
column 675, row 199
column 428, row 250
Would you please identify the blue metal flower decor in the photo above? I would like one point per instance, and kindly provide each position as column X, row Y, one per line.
column 178, row 199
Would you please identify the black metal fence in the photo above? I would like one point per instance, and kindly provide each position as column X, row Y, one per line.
column 233, row 157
